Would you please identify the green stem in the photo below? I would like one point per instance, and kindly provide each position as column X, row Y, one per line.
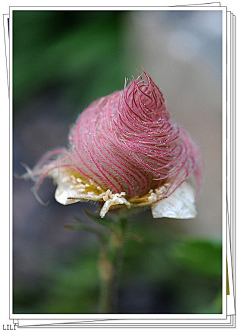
column 110, row 261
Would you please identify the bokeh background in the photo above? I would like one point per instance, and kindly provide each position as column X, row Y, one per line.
column 62, row 61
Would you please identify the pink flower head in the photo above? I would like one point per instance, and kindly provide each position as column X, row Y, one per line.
column 124, row 149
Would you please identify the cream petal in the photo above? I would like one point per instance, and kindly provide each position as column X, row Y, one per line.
column 179, row 205
column 67, row 194
column 62, row 196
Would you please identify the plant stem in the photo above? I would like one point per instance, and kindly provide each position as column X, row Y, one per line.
column 110, row 261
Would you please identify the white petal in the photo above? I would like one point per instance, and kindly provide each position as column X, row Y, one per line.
column 62, row 195
column 66, row 195
column 69, row 196
column 179, row 205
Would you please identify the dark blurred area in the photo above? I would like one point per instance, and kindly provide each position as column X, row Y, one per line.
column 62, row 61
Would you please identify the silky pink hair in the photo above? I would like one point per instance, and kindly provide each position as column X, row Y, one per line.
column 127, row 142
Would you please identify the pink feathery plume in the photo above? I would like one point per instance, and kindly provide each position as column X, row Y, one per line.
column 127, row 142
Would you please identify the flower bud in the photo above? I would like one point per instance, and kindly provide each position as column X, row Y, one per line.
column 125, row 150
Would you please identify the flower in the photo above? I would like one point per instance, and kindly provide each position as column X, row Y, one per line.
column 125, row 150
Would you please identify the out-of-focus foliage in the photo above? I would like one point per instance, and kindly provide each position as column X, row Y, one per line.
column 78, row 51
column 165, row 273
column 200, row 256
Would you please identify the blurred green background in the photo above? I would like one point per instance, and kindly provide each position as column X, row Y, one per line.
column 62, row 61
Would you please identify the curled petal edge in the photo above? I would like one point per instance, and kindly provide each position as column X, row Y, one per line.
column 179, row 205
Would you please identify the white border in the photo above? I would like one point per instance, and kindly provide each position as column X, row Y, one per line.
column 149, row 317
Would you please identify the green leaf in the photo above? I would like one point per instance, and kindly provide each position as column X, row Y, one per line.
column 82, row 226
column 135, row 238
column 198, row 255
column 108, row 223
